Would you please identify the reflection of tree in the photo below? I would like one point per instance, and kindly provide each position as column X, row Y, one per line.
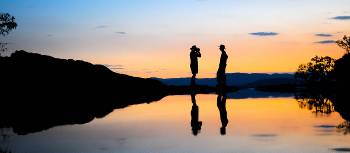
column 344, row 127
column 318, row 104
column 322, row 104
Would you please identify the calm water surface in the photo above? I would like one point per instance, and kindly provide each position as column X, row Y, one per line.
column 254, row 125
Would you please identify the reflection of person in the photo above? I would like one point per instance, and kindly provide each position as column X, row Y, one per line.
column 221, row 74
column 195, row 123
column 221, row 103
column 194, row 55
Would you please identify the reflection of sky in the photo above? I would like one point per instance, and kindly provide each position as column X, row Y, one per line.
column 255, row 125
column 261, row 36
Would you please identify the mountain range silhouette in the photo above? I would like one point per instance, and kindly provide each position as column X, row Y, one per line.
column 242, row 80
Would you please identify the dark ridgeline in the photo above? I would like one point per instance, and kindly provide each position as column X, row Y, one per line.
column 241, row 80
column 221, row 103
column 194, row 55
column 221, row 74
column 39, row 92
column 342, row 75
column 195, row 123
column 342, row 100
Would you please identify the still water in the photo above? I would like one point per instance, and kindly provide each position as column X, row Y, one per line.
column 255, row 125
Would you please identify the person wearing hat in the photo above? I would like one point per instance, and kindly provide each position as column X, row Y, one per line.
column 221, row 74
column 194, row 55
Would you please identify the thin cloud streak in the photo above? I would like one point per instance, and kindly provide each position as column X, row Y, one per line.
column 264, row 34
column 101, row 27
column 323, row 35
column 121, row 32
column 326, row 42
column 341, row 18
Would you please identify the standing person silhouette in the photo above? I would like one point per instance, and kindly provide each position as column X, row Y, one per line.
column 221, row 74
column 194, row 55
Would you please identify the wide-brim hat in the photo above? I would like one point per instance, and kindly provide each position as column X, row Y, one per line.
column 194, row 47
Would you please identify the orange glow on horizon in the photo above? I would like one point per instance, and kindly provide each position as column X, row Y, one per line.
column 246, row 54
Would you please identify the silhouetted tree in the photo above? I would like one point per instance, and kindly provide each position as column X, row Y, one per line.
column 319, row 70
column 345, row 44
column 7, row 24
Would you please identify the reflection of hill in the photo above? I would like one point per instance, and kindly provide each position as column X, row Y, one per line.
column 252, row 93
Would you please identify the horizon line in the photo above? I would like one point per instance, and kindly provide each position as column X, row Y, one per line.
column 270, row 73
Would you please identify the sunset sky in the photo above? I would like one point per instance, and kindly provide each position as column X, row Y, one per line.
column 151, row 38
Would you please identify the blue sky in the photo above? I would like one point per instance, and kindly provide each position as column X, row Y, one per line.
column 143, row 34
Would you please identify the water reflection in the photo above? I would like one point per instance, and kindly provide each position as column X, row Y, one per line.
column 195, row 123
column 221, row 103
column 323, row 104
column 344, row 127
column 268, row 124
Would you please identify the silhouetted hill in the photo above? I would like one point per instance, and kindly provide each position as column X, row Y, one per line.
column 341, row 69
column 38, row 91
column 242, row 80
column 342, row 102
column 26, row 72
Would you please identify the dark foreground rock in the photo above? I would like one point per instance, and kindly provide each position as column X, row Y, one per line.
column 38, row 92
column 342, row 74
